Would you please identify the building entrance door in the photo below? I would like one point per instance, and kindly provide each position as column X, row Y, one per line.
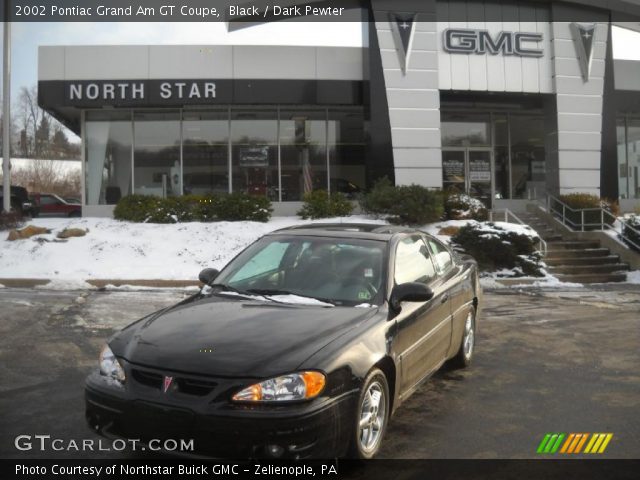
column 468, row 170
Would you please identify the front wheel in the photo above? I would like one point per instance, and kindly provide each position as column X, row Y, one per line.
column 372, row 416
column 468, row 342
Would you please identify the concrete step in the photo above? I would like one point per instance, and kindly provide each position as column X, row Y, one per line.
column 577, row 253
column 589, row 269
column 551, row 237
column 593, row 278
column 581, row 260
column 574, row 245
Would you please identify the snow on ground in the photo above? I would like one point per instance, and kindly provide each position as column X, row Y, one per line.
column 121, row 250
column 129, row 251
column 634, row 277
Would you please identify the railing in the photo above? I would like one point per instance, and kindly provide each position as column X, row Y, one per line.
column 592, row 219
column 507, row 215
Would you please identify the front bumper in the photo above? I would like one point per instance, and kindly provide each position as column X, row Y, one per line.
column 318, row 429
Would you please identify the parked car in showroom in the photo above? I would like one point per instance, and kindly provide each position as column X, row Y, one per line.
column 302, row 346
column 20, row 201
column 51, row 205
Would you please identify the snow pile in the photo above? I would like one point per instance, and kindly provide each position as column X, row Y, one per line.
column 127, row 251
column 492, row 227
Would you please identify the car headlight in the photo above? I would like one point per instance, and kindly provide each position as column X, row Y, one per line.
column 295, row 386
column 110, row 366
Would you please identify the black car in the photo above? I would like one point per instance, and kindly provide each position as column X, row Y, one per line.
column 302, row 346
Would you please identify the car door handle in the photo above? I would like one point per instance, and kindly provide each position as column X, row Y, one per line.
column 444, row 298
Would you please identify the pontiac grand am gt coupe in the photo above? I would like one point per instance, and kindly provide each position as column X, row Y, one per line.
column 302, row 346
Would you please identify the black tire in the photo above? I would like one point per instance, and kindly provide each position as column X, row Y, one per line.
column 75, row 214
column 374, row 383
column 464, row 357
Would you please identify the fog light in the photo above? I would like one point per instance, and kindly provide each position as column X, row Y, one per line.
column 276, row 451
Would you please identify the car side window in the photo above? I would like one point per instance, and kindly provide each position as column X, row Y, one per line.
column 441, row 256
column 412, row 262
column 47, row 200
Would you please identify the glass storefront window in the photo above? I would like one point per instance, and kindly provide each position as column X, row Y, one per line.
column 191, row 152
column 346, row 144
column 254, row 136
column 628, row 134
column 466, row 130
column 205, row 152
column 303, row 152
column 528, row 166
column 108, row 143
column 157, row 169
column 501, row 156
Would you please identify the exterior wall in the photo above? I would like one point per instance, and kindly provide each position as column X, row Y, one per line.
column 115, row 62
column 579, row 111
column 413, row 98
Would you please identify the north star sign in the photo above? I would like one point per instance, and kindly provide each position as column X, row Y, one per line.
column 480, row 42
column 128, row 90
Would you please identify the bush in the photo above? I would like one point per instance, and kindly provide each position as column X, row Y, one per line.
column 405, row 204
column 581, row 201
column 319, row 204
column 632, row 236
column 193, row 208
column 463, row 207
column 10, row 221
column 495, row 248
column 240, row 206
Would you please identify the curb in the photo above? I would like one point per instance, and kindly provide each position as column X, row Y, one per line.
column 101, row 283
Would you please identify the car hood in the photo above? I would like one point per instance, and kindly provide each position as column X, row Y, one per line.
column 232, row 337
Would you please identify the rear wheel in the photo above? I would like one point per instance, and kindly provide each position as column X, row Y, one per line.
column 468, row 342
column 371, row 416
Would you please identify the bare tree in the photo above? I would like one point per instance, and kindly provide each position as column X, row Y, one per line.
column 47, row 176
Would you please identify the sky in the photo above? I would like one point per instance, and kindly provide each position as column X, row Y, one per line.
column 26, row 37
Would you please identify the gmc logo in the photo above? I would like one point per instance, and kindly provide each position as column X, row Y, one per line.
column 481, row 42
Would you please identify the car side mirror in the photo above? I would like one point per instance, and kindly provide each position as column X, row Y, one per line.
column 208, row 275
column 410, row 292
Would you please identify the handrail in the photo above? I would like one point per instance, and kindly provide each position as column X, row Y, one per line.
column 602, row 225
column 508, row 213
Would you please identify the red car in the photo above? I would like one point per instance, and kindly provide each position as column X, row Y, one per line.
column 51, row 205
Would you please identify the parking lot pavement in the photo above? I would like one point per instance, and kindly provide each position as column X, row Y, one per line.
column 546, row 361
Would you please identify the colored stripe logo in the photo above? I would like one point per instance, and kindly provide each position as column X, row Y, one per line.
column 573, row 443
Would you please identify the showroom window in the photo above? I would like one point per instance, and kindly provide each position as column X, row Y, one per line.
column 277, row 152
column 205, row 152
column 157, row 169
column 108, row 143
column 628, row 139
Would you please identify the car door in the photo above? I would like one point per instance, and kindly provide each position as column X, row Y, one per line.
column 47, row 205
column 456, row 282
column 424, row 328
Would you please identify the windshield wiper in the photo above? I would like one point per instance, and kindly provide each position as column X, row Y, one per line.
column 229, row 288
column 271, row 292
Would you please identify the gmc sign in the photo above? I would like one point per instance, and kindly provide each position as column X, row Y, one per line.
column 481, row 42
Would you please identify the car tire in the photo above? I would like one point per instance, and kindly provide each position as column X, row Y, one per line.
column 467, row 344
column 74, row 214
column 372, row 408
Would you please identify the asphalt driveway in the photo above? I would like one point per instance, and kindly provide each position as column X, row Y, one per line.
column 546, row 361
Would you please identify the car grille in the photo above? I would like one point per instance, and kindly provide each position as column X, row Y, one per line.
column 186, row 385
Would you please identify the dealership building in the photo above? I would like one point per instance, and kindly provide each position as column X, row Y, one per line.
column 504, row 101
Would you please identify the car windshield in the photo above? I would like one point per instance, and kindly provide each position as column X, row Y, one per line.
column 338, row 271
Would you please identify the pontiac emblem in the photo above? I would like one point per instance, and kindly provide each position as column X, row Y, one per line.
column 167, row 384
